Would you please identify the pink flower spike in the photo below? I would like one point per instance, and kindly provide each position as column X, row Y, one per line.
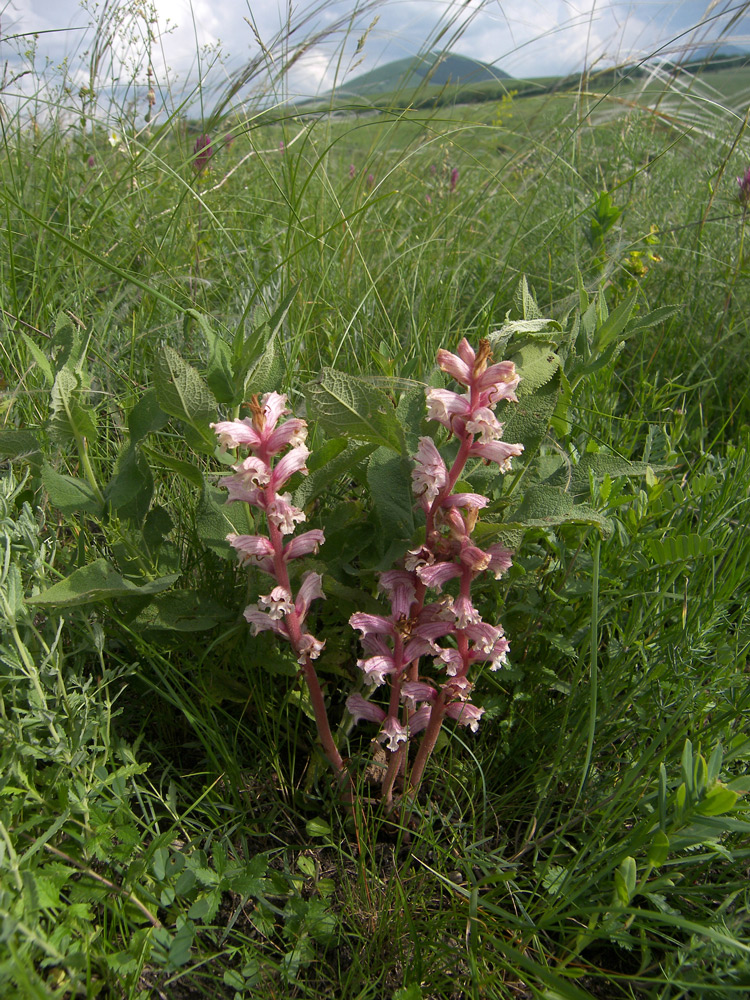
column 293, row 461
column 281, row 513
column 278, row 602
column 438, row 574
column 429, row 474
column 359, row 708
column 233, row 433
column 500, row 560
column 308, row 592
column 497, row 451
column 457, row 366
column 392, row 733
column 304, row 544
column 465, row 714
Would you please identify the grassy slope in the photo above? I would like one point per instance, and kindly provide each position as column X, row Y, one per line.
column 509, row 884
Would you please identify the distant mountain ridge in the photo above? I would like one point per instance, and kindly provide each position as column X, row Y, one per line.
column 438, row 68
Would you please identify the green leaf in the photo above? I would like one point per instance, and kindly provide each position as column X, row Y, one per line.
column 19, row 445
column 132, row 486
column 266, row 372
column 334, row 459
column 659, row 849
column 347, row 406
column 389, row 479
column 185, row 469
column 625, row 881
column 718, row 801
column 71, row 417
column 411, row 413
column 219, row 374
column 182, row 393
column 524, row 301
column 146, row 417
column 183, row 611
column 601, row 464
column 98, row 581
column 536, row 364
column 215, row 519
column 614, row 325
column 527, row 422
column 69, row 494
column 545, row 506
column 317, row 828
column 41, row 359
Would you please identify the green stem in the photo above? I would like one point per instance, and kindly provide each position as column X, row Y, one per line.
column 593, row 664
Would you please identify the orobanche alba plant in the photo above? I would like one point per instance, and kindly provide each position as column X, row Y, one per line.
column 422, row 651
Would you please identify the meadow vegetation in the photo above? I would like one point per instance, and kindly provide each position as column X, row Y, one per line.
column 168, row 826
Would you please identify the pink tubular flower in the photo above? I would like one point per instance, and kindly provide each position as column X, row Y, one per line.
column 278, row 602
column 429, row 475
column 392, row 733
column 359, row 708
column 256, row 550
column 202, row 153
column 498, row 451
column 304, row 544
column 465, row 714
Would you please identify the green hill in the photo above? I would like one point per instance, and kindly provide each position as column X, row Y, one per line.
column 436, row 68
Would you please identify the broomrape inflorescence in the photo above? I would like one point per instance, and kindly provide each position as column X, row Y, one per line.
column 447, row 631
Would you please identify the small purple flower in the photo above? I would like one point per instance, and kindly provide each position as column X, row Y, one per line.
column 282, row 147
column 228, row 140
column 352, row 171
column 433, row 168
column 744, row 187
column 203, row 151
column 370, row 180
column 91, row 160
column 454, row 178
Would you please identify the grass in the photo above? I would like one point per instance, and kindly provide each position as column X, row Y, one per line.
column 166, row 825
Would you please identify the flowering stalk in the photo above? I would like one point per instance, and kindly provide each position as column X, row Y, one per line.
column 257, row 481
column 398, row 642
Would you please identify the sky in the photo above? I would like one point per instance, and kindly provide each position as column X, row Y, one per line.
column 192, row 39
